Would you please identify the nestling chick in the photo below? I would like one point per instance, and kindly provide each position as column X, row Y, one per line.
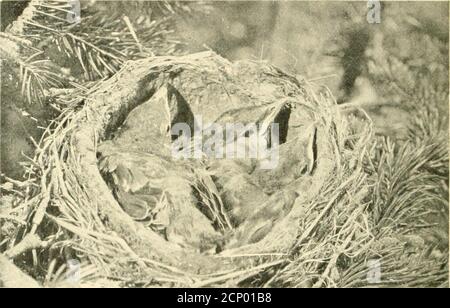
column 240, row 195
column 148, row 126
column 297, row 158
column 157, row 190
column 187, row 227
column 263, row 116
column 257, row 226
column 134, row 177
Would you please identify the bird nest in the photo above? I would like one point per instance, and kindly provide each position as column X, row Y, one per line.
column 290, row 225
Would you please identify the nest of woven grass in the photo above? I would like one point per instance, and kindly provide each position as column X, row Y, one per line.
column 324, row 241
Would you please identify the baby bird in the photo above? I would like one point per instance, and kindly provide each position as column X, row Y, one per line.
column 188, row 227
column 147, row 127
column 252, row 211
column 263, row 116
column 135, row 178
column 157, row 191
column 258, row 225
column 147, row 183
column 240, row 195
column 297, row 157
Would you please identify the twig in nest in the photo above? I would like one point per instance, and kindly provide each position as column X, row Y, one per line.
column 31, row 241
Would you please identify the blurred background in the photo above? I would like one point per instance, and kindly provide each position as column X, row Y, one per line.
column 321, row 40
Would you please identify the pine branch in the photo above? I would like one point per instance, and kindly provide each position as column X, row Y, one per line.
column 401, row 70
column 403, row 188
column 47, row 12
column 99, row 45
column 35, row 73
column 37, row 77
column 403, row 263
column 101, row 42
